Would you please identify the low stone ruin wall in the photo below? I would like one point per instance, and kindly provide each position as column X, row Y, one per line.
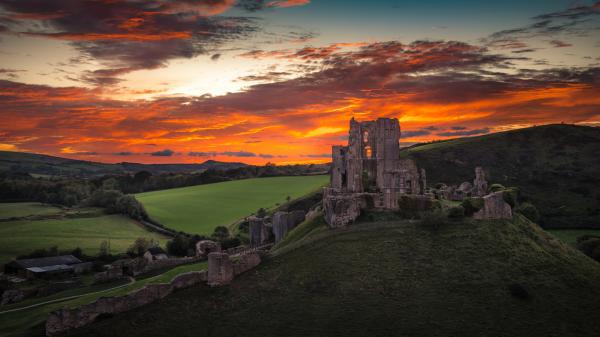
column 221, row 271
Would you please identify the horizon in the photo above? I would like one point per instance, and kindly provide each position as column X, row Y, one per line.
column 257, row 81
column 324, row 161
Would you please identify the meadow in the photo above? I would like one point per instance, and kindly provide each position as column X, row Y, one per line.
column 68, row 229
column 199, row 209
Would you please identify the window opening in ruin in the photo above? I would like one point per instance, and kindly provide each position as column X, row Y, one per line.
column 366, row 137
column 368, row 152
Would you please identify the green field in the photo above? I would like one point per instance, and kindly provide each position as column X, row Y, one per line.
column 570, row 235
column 21, row 209
column 85, row 228
column 199, row 209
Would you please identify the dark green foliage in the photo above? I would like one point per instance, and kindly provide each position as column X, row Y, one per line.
column 472, row 205
column 179, row 245
column 411, row 206
column 230, row 242
column 220, row 233
column 529, row 211
column 140, row 246
column 261, row 213
column 434, row 219
column 496, row 187
column 456, row 212
column 510, row 195
column 555, row 167
column 590, row 246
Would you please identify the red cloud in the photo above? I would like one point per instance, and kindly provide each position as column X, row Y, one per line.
column 288, row 3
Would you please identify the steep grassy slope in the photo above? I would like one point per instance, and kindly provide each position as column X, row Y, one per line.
column 557, row 167
column 199, row 209
column 390, row 279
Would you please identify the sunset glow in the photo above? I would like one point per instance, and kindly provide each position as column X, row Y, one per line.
column 277, row 81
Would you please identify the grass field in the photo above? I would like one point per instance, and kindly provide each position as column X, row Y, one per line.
column 570, row 235
column 87, row 231
column 199, row 209
column 21, row 209
column 29, row 322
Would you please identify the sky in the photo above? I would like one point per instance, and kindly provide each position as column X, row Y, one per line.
column 256, row 81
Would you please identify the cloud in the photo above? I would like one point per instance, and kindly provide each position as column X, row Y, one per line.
column 288, row 3
column 163, row 153
column 126, row 36
column 560, row 44
column 124, row 153
column 317, row 155
column 464, row 133
column 238, row 154
column 414, row 133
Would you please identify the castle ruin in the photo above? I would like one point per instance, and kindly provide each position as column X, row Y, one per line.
column 369, row 172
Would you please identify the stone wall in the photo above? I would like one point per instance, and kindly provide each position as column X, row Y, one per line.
column 494, row 207
column 221, row 271
column 259, row 231
column 283, row 222
column 66, row 319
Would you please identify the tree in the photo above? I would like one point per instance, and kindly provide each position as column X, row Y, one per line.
column 104, row 249
column 261, row 213
column 179, row 245
column 140, row 246
column 221, row 233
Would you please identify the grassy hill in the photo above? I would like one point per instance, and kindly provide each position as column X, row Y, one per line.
column 25, row 227
column 199, row 209
column 34, row 163
column 557, row 167
column 390, row 279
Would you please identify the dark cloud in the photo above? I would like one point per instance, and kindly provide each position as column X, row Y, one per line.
column 238, row 154
column 130, row 35
column 415, row 133
column 270, row 76
column 251, row 5
column 317, row 155
column 560, row 44
column 458, row 128
column 163, row 153
column 215, row 57
column 124, row 153
column 464, row 133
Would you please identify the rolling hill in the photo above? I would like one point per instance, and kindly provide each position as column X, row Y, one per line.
column 199, row 209
column 398, row 278
column 33, row 163
column 556, row 167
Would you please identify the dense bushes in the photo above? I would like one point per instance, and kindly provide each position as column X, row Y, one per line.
column 434, row 219
column 114, row 201
column 456, row 212
column 590, row 246
column 529, row 211
column 472, row 205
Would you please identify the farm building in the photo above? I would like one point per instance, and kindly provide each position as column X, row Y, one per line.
column 155, row 253
column 48, row 267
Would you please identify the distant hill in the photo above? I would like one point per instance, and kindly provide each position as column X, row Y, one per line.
column 556, row 167
column 497, row 278
column 21, row 162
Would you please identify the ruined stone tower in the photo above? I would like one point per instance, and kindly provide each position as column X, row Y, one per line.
column 369, row 172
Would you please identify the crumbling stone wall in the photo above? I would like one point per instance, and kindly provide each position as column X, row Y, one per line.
column 220, row 269
column 66, row 319
column 259, row 232
column 204, row 247
column 494, row 207
column 283, row 222
column 480, row 185
column 340, row 209
column 246, row 262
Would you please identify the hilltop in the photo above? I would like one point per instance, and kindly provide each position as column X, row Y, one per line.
column 33, row 163
column 494, row 278
column 556, row 167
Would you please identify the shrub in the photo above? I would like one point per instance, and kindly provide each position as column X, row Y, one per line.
column 456, row 212
column 529, row 211
column 472, row 205
column 412, row 206
column 496, row 187
column 590, row 246
column 510, row 196
column 178, row 246
column 140, row 246
column 230, row 243
column 220, row 233
column 434, row 219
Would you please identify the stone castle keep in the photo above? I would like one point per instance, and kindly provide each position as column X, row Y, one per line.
column 369, row 174
column 369, row 171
